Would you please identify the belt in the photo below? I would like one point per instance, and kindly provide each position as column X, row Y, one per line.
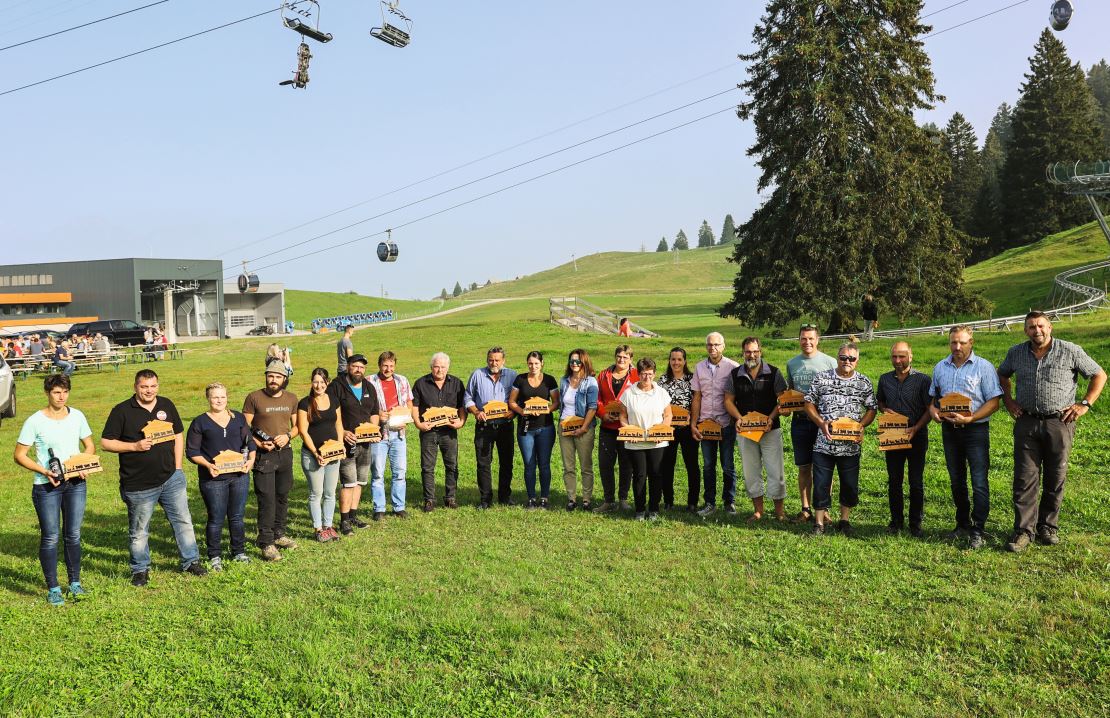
column 1041, row 417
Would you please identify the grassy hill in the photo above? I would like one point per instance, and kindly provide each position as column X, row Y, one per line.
column 303, row 306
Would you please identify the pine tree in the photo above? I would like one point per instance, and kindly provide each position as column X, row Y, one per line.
column 987, row 219
column 1002, row 124
column 662, row 246
column 728, row 231
column 854, row 183
column 680, row 241
column 1098, row 79
column 443, row 293
column 705, row 235
column 457, row 291
column 1055, row 121
column 965, row 173
column 473, row 286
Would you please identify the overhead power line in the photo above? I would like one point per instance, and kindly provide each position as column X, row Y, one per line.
column 139, row 52
column 975, row 19
column 87, row 24
column 949, row 7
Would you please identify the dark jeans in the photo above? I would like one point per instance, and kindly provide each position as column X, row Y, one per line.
column 67, row 503
column 803, row 434
column 609, row 452
column 273, row 480
column 895, row 469
column 847, row 468
column 646, row 465
column 1041, row 449
column 487, row 437
column 968, row 449
column 225, row 497
column 726, row 450
column 535, row 450
column 446, row 443
column 684, row 439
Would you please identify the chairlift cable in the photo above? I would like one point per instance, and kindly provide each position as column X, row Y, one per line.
column 975, row 19
column 78, row 27
column 949, row 7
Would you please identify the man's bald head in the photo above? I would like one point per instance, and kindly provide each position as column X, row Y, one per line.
column 901, row 356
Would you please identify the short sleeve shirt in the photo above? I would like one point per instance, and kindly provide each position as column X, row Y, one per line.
column 680, row 389
column 976, row 379
column 341, row 348
column 645, row 410
column 323, row 428
column 426, row 394
column 1047, row 385
column 835, row 397
column 800, row 370
column 142, row 470
column 62, row 435
column 526, row 392
column 272, row 414
column 711, row 381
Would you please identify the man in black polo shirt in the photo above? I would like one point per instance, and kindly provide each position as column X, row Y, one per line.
column 755, row 385
column 358, row 403
column 433, row 390
column 150, row 472
column 906, row 391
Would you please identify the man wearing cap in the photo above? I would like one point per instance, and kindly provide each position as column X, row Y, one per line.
column 393, row 392
column 438, row 389
column 1045, row 414
column 344, row 349
column 358, row 403
column 271, row 413
column 493, row 382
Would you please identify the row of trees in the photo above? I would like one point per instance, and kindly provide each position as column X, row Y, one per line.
column 705, row 237
column 460, row 290
column 997, row 192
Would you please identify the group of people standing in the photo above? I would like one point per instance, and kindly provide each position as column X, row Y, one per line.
column 353, row 425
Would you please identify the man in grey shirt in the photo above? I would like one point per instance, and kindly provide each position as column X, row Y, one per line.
column 343, row 349
column 1045, row 412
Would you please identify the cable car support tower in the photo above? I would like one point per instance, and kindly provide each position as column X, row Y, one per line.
column 1089, row 179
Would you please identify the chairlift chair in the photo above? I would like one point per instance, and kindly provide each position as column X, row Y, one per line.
column 389, row 33
column 309, row 26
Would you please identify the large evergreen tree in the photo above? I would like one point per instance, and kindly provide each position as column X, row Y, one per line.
column 855, row 202
column 1055, row 121
column 728, row 231
column 988, row 220
column 662, row 246
column 965, row 174
column 705, row 235
column 1098, row 79
column 680, row 241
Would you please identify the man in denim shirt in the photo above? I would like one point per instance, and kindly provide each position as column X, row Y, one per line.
column 493, row 382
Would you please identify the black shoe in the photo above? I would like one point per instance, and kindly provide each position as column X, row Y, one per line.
column 196, row 568
column 915, row 531
column 378, row 516
column 507, row 502
column 531, row 505
column 894, row 527
column 818, row 529
column 345, row 527
column 543, row 504
column 587, row 506
column 844, row 527
column 402, row 514
column 1018, row 542
column 1047, row 536
column 140, row 578
column 357, row 522
column 451, row 504
column 430, row 506
column 977, row 541
column 571, row 506
column 484, row 505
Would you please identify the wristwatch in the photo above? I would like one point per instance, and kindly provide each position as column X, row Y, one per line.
column 1085, row 403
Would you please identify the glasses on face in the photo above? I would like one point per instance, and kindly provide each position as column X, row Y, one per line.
column 575, row 362
column 845, row 357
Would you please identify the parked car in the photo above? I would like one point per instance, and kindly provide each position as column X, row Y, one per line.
column 118, row 331
column 7, row 391
column 261, row 330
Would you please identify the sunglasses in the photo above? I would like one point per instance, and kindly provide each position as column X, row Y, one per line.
column 575, row 362
column 807, row 327
column 845, row 357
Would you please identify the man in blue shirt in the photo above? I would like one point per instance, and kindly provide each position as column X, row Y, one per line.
column 493, row 382
column 966, row 437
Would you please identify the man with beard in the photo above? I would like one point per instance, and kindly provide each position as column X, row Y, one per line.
column 358, row 404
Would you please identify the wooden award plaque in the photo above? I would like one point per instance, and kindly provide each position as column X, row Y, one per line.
column 955, row 403
column 399, row 416
column 612, row 410
column 88, row 463
column 631, row 433
column 710, row 430
column 158, row 431
column 845, row 429
column 439, row 416
column 893, row 420
column 367, row 433
column 660, row 432
column 679, row 416
column 571, row 423
column 229, row 462
column 495, row 410
column 791, row 400
column 752, row 425
column 331, row 450
column 894, row 440
column 537, row 406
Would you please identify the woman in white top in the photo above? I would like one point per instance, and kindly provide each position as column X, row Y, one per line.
column 646, row 404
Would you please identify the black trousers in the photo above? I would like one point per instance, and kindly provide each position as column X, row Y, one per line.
column 486, row 438
column 273, row 480
column 645, row 465
column 609, row 452
column 1041, row 449
column 446, row 443
column 684, row 439
column 896, row 462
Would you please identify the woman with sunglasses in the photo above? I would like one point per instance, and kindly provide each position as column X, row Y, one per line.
column 578, row 398
column 535, row 433
column 611, row 385
column 676, row 380
column 319, row 419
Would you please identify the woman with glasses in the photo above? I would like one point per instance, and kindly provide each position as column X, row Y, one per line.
column 611, row 384
column 578, row 398
column 318, row 420
column 676, row 380
column 225, row 493
column 535, row 433
column 57, row 432
column 645, row 405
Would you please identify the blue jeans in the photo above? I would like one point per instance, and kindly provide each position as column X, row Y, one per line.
column 848, row 469
column 67, row 502
column 396, row 450
column 535, row 449
column 322, row 481
column 225, row 497
column 67, row 367
column 175, row 502
column 968, row 449
column 726, row 449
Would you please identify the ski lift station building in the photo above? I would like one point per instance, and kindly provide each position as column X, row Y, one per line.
column 191, row 293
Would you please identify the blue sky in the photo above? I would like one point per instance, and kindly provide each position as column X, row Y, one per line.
column 194, row 151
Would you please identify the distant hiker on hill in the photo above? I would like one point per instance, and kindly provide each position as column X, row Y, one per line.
column 870, row 312
column 344, row 349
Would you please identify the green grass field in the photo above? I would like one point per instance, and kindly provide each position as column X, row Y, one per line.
column 510, row 612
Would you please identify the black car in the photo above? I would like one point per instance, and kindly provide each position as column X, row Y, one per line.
column 123, row 332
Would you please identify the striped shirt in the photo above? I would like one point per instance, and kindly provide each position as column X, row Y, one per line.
column 975, row 378
column 1047, row 385
column 909, row 397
